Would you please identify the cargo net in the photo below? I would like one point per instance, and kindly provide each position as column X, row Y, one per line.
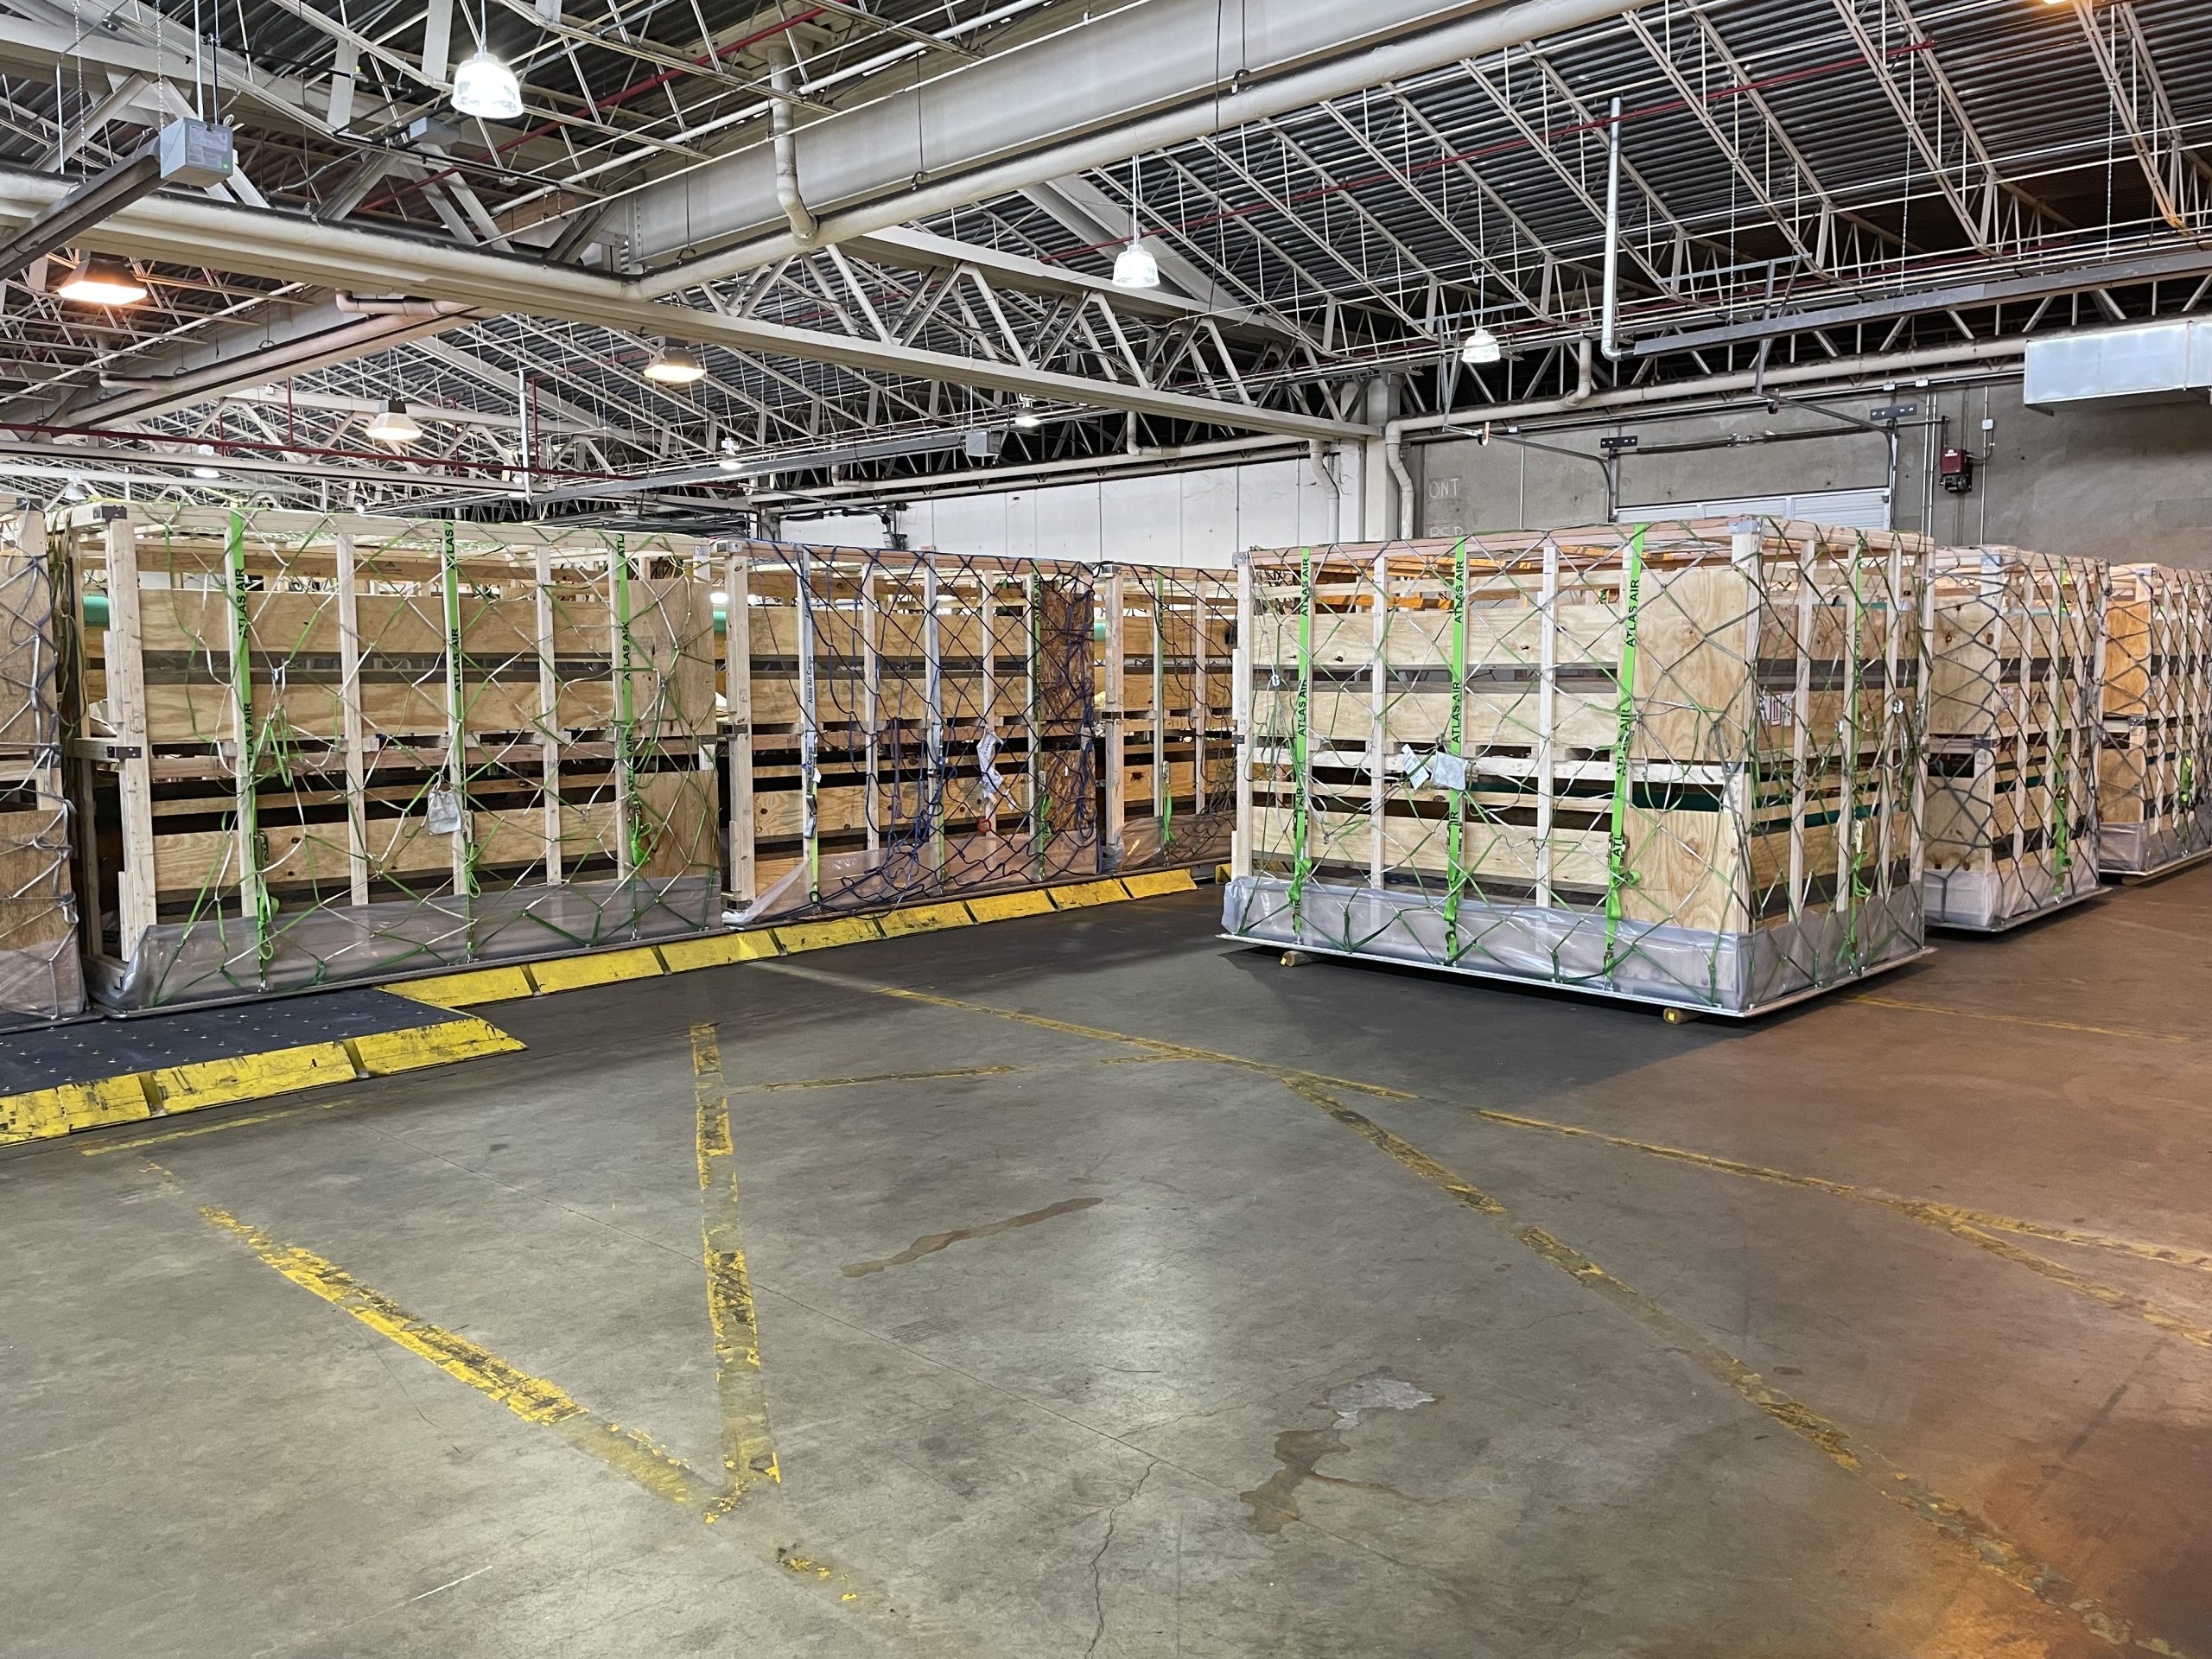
column 1676, row 763
column 2155, row 805
column 380, row 746
column 41, row 977
column 1169, row 774
column 2014, row 725
column 920, row 727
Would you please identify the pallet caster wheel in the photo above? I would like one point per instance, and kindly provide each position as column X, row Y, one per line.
column 1296, row 958
column 1679, row 1016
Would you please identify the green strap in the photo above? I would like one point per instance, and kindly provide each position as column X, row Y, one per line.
column 456, row 762
column 1041, row 806
column 2061, row 783
column 1455, row 832
column 626, row 745
column 1301, row 864
column 1163, row 773
column 247, row 801
column 1618, row 875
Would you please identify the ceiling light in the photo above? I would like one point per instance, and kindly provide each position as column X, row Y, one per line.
column 1134, row 268
column 393, row 424
column 672, row 366
column 206, row 468
column 486, row 89
column 1027, row 417
column 1480, row 347
column 102, row 280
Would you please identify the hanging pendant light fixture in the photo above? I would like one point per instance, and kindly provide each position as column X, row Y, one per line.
column 1135, row 267
column 206, row 468
column 1480, row 347
column 102, row 279
column 393, row 424
column 483, row 86
column 672, row 366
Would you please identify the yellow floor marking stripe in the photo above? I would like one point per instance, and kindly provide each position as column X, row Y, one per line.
column 881, row 1076
column 101, row 1148
column 533, row 1399
column 1152, row 1045
column 1151, row 884
column 468, row 990
column 1900, row 1004
column 251, row 1076
column 1974, row 1226
column 605, row 968
column 1007, row 906
column 1982, row 1541
column 748, row 1453
column 383, row 1052
column 42, row 1114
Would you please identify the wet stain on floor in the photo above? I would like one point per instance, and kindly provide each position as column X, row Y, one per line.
column 931, row 1244
column 1299, row 1450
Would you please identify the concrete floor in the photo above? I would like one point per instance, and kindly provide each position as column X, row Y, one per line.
column 1245, row 1376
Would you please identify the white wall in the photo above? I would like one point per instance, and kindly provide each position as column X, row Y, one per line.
column 1195, row 519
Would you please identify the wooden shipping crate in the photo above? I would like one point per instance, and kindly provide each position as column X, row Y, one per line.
column 2154, row 804
column 41, row 978
column 2017, row 641
column 905, row 726
column 1693, row 749
column 303, row 727
column 1166, row 695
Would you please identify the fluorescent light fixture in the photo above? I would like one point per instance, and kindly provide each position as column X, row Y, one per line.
column 102, row 280
column 393, row 424
column 486, row 89
column 1480, row 347
column 207, row 468
column 672, row 366
column 1134, row 268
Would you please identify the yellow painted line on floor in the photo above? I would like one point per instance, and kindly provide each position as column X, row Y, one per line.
column 881, row 1076
column 2130, row 1034
column 381, row 1053
column 1151, row 1044
column 42, row 1114
column 469, row 990
column 603, row 968
column 1974, row 1226
column 533, row 1399
column 2167, row 1254
column 748, row 1450
column 1979, row 1538
column 139, row 1142
column 251, row 1076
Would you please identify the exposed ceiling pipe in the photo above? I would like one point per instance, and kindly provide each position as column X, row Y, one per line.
column 805, row 230
column 1609, row 340
column 1235, row 101
column 394, row 306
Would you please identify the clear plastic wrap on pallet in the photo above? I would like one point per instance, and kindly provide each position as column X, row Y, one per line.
column 905, row 727
column 1673, row 763
column 338, row 747
column 2155, row 804
column 2015, row 729
column 40, row 974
